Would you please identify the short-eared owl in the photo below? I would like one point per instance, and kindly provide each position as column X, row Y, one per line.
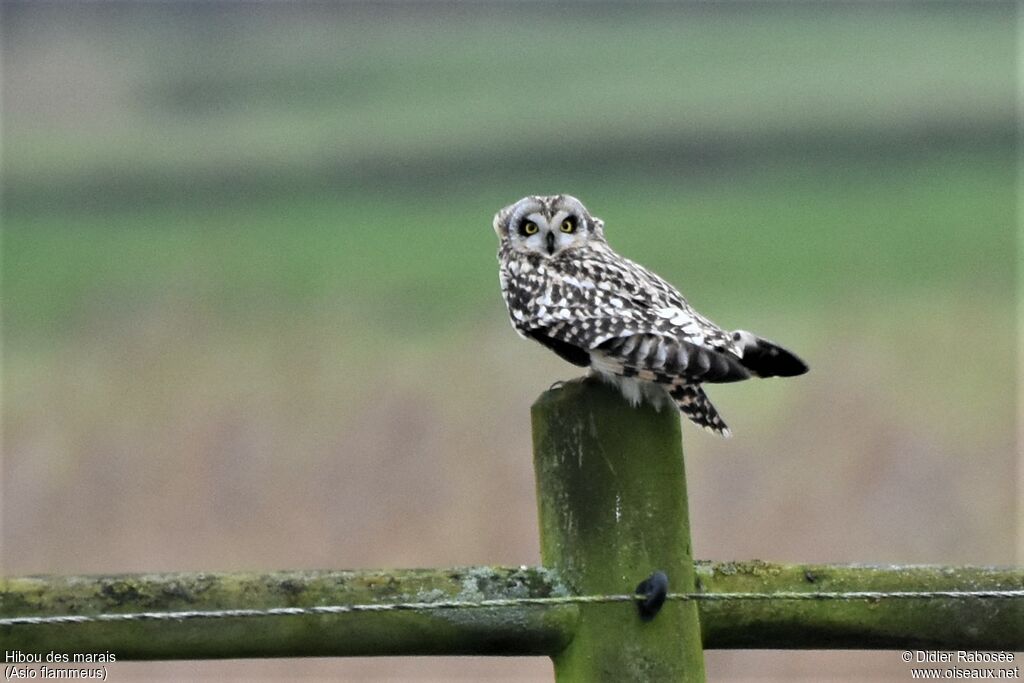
column 567, row 289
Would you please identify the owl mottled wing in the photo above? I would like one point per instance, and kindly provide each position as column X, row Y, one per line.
column 674, row 362
column 621, row 317
column 567, row 351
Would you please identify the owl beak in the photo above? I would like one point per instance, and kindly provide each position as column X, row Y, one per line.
column 551, row 243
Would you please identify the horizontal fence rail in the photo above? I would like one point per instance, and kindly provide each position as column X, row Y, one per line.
column 502, row 611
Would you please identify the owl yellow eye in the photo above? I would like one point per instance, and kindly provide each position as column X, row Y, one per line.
column 530, row 228
column 569, row 224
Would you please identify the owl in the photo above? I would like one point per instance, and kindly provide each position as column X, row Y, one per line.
column 567, row 289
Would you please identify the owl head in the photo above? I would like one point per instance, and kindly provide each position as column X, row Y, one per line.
column 548, row 225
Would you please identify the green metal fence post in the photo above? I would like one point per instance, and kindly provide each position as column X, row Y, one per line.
column 611, row 493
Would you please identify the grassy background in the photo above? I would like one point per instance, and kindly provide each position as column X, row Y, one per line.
column 250, row 303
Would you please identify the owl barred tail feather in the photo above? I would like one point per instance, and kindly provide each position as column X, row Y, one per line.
column 695, row 404
column 663, row 359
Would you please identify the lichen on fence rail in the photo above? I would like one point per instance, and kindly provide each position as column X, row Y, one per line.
column 538, row 629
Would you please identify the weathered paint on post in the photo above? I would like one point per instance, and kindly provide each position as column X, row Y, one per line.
column 611, row 493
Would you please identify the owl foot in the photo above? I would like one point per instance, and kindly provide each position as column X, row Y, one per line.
column 560, row 384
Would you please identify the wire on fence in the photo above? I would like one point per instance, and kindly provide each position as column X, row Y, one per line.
column 501, row 602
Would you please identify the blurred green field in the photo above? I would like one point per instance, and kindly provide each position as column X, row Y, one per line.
column 418, row 263
column 298, row 156
column 173, row 97
column 251, row 315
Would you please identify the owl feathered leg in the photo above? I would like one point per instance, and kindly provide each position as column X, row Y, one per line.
column 695, row 404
